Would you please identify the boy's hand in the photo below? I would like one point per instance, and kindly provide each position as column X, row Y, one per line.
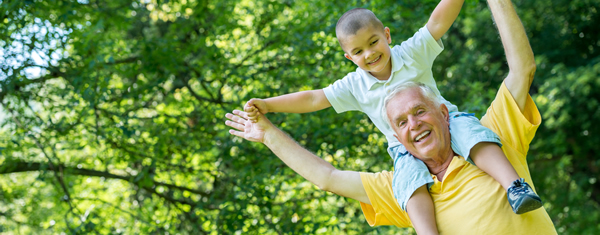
column 255, row 107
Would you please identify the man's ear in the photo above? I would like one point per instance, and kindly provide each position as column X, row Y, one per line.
column 445, row 112
column 397, row 138
column 388, row 36
column 348, row 57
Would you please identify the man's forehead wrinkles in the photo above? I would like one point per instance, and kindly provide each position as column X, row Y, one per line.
column 414, row 106
column 409, row 108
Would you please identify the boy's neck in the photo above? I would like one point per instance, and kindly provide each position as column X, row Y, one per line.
column 385, row 74
column 382, row 76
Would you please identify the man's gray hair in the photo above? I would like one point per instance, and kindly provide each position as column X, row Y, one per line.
column 426, row 91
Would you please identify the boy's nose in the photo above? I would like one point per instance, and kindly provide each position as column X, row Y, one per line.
column 369, row 54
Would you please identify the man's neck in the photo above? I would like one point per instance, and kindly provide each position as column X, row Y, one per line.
column 439, row 168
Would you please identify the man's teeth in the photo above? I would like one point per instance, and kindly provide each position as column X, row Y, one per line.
column 421, row 136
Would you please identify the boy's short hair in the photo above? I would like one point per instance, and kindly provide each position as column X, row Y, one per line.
column 355, row 19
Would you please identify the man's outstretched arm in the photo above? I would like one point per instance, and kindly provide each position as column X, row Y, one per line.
column 518, row 51
column 314, row 169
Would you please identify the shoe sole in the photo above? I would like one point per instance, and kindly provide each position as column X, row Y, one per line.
column 528, row 205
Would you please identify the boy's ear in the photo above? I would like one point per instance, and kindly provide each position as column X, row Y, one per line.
column 388, row 36
column 348, row 57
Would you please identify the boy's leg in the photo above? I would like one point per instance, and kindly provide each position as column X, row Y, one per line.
column 490, row 158
column 409, row 184
column 421, row 213
column 472, row 140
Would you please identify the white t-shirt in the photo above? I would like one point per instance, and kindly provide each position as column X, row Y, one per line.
column 411, row 61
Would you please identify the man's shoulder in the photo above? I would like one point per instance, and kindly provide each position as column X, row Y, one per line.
column 384, row 209
column 515, row 128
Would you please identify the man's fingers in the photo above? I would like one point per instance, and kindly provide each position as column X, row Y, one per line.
column 235, row 125
column 235, row 121
column 237, row 133
column 242, row 114
column 237, row 118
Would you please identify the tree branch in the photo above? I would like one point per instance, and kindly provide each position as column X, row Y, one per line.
column 22, row 166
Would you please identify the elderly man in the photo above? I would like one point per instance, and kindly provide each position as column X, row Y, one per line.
column 467, row 200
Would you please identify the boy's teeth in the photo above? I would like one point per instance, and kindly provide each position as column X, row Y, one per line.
column 421, row 135
column 375, row 60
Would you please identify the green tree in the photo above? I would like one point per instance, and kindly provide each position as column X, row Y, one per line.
column 113, row 111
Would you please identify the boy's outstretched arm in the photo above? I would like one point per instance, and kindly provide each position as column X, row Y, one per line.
column 299, row 102
column 443, row 17
column 314, row 169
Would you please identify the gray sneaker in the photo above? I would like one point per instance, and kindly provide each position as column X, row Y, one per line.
column 522, row 198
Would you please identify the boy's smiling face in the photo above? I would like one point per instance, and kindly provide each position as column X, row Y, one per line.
column 369, row 49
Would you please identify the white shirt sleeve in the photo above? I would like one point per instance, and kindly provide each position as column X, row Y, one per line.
column 339, row 94
column 422, row 47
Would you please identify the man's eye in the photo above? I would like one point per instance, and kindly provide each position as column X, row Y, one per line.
column 401, row 123
column 420, row 112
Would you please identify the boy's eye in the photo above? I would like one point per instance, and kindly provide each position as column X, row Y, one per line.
column 373, row 43
column 357, row 52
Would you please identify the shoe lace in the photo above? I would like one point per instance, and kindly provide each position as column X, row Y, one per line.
column 518, row 187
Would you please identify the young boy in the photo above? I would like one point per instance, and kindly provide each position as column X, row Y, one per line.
column 365, row 42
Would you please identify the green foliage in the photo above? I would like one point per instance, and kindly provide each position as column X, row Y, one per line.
column 119, row 127
column 569, row 150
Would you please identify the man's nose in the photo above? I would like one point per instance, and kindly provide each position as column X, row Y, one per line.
column 414, row 122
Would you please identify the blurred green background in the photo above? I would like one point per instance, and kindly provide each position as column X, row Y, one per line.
column 112, row 111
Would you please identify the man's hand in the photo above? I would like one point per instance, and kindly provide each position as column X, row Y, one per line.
column 252, row 131
column 314, row 169
column 519, row 55
column 255, row 107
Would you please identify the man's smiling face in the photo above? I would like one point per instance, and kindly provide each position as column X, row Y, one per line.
column 421, row 126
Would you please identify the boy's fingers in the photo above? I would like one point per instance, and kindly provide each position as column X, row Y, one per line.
column 252, row 113
column 254, row 119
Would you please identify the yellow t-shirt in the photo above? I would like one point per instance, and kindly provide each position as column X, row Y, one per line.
column 469, row 201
